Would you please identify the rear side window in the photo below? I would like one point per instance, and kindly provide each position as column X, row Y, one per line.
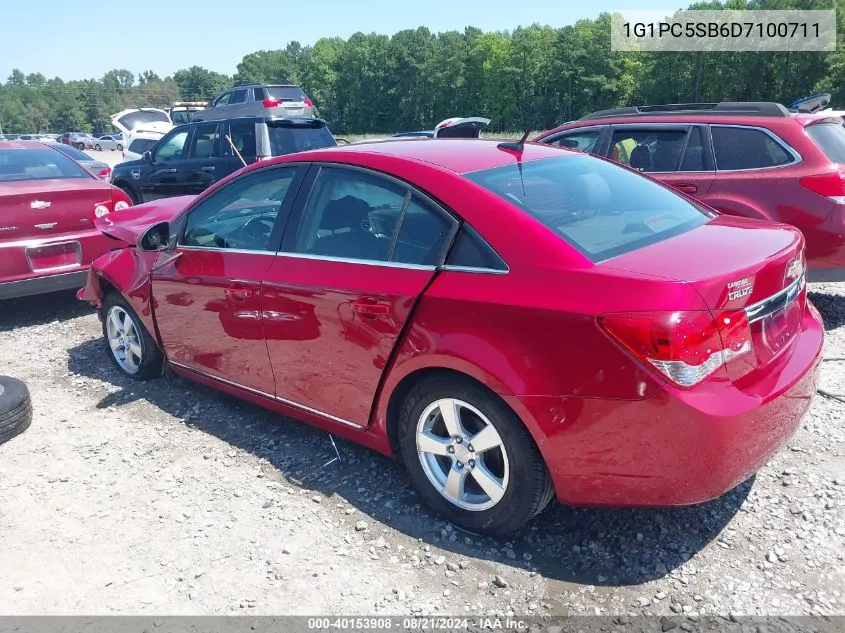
column 830, row 137
column 746, row 148
column 471, row 251
column 284, row 93
column 238, row 96
column 37, row 164
column 287, row 139
column 656, row 149
column 597, row 207
column 243, row 138
column 141, row 145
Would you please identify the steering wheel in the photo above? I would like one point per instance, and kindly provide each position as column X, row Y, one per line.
column 255, row 234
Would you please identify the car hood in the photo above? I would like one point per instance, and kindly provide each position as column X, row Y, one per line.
column 129, row 225
column 129, row 164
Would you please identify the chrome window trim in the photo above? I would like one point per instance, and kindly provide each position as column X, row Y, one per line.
column 549, row 140
column 776, row 302
column 334, row 418
column 349, row 260
column 796, row 157
column 217, row 249
column 472, row 269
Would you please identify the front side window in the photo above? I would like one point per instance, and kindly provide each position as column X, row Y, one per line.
column 223, row 99
column 583, row 140
column 657, row 149
column 37, row 164
column 746, row 148
column 600, row 209
column 205, row 142
column 243, row 214
column 171, row 147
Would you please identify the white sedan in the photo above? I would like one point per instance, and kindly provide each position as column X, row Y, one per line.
column 113, row 142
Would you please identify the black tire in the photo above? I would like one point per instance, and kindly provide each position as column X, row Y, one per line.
column 119, row 147
column 98, row 148
column 530, row 488
column 128, row 191
column 80, row 146
column 15, row 408
column 151, row 360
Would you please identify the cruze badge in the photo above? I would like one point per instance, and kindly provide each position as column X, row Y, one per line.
column 740, row 288
column 39, row 204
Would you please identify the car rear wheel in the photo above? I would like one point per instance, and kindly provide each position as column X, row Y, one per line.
column 128, row 343
column 470, row 458
column 80, row 146
column 98, row 148
column 126, row 189
column 119, row 147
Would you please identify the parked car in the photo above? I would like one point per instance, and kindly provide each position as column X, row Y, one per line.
column 79, row 140
column 754, row 160
column 258, row 100
column 97, row 167
column 680, row 356
column 47, row 206
column 455, row 127
column 192, row 157
column 182, row 112
column 141, row 128
column 109, row 142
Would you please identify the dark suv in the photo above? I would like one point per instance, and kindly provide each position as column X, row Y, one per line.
column 756, row 160
column 191, row 157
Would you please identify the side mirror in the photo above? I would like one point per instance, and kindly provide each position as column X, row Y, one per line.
column 148, row 156
column 155, row 238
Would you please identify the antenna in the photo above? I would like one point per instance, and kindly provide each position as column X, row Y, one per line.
column 517, row 146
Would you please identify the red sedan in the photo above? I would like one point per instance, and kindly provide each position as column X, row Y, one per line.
column 516, row 322
column 47, row 207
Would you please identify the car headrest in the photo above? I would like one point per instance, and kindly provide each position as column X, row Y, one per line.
column 346, row 212
column 640, row 158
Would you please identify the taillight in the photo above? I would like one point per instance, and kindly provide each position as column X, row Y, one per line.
column 308, row 102
column 831, row 185
column 271, row 103
column 101, row 210
column 685, row 347
column 120, row 205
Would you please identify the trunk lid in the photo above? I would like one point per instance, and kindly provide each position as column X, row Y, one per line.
column 737, row 264
column 44, row 208
column 141, row 118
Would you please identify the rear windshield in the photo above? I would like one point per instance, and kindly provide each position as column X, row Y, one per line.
column 284, row 93
column 37, row 164
column 141, row 145
column 599, row 208
column 74, row 153
column 830, row 137
column 287, row 139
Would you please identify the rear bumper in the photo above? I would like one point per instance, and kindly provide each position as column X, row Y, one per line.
column 42, row 285
column 675, row 448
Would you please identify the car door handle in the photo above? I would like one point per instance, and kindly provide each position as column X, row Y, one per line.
column 686, row 187
column 211, row 168
column 240, row 294
column 370, row 307
column 168, row 171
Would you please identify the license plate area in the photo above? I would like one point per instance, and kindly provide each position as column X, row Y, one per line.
column 778, row 330
column 54, row 256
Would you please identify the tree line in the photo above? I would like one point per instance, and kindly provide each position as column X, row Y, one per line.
column 536, row 76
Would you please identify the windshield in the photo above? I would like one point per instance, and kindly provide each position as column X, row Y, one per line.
column 599, row 208
column 284, row 93
column 286, row 139
column 37, row 164
column 830, row 137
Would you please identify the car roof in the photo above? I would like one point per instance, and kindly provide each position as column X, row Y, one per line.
column 458, row 155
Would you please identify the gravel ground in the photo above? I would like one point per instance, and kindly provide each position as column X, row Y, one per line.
column 169, row 498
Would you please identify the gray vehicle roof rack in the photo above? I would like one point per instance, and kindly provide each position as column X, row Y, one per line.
column 748, row 108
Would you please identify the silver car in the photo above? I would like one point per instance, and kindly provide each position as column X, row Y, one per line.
column 284, row 100
column 109, row 142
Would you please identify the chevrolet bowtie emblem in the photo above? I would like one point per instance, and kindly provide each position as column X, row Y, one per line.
column 795, row 269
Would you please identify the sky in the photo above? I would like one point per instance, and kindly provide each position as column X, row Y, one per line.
column 80, row 40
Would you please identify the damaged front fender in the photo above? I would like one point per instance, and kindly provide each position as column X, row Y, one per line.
column 126, row 271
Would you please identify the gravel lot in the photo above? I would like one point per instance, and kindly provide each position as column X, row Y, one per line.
column 169, row 498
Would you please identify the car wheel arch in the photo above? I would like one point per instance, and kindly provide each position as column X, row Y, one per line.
column 396, row 399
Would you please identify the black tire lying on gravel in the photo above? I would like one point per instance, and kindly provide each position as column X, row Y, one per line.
column 15, row 408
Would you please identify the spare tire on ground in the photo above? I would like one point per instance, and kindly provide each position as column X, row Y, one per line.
column 15, row 408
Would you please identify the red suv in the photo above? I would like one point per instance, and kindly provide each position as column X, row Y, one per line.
column 757, row 160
